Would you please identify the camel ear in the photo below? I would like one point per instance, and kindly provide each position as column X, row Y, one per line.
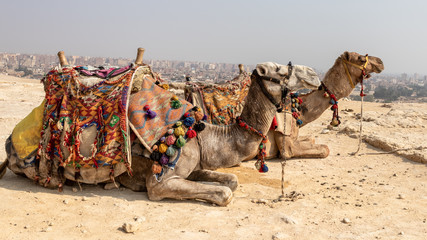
column 346, row 55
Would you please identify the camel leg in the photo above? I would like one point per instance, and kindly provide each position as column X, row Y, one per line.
column 226, row 179
column 300, row 149
column 179, row 188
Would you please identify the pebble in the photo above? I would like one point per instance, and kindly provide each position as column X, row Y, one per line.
column 346, row 220
column 26, row 226
column 279, row 236
column 139, row 219
column 131, row 227
column 401, row 233
column 48, row 229
column 65, row 201
column 288, row 220
column 83, row 231
column 75, row 189
column 325, row 131
column 84, row 198
column 400, row 196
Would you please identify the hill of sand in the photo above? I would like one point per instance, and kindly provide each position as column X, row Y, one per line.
column 368, row 196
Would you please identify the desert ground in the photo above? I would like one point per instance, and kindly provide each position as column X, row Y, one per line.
column 375, row 195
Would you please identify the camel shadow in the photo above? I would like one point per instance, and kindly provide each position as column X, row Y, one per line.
column 20, row 184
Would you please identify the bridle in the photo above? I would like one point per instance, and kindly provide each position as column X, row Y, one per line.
column 333, row 100
column 361, row 67
column 283, row 83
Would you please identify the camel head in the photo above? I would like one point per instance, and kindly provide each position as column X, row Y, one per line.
column 355, row 63
column 294, row 77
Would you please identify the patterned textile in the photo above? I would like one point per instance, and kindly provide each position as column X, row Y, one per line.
column 222, row 103
column 150, row 130
column 74, row 111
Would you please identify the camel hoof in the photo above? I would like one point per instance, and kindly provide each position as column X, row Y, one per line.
column 325, row 151
column 227, row 196
column 233, row 183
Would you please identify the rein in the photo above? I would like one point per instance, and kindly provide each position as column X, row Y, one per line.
column 260, row 164
column 333, row 100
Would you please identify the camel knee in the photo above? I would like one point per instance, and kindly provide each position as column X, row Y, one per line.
column 232, row 183
column 225, row 195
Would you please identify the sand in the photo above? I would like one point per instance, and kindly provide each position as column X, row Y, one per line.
column 378, row 196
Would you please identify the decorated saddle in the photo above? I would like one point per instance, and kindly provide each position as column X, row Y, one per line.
column 162, row 122
column 221, row 103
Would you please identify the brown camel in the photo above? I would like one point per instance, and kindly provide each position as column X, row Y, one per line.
column 337, row 82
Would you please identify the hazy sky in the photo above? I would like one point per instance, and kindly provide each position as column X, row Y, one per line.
column 308, row 32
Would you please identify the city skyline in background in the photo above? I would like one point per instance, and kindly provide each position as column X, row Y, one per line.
column 306, row 32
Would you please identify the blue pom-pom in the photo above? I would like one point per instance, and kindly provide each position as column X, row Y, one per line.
column 204, row 118
column 296, row 94
column 151, row 114
column 299, row 122
column 188, row 121
column 264, row 168
column 332, row 101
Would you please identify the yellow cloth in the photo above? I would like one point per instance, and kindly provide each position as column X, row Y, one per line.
column 26, row 135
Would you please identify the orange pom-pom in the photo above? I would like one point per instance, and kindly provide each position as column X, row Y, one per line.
column 156, row 168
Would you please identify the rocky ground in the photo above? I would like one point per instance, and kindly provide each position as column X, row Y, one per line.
column 371, row 195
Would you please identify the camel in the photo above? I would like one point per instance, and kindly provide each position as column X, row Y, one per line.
column 218, row 147
column 337, row 82
column 313, row 105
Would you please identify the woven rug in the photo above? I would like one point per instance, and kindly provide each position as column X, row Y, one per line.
column 222, row 103
column 150, row 130
column 78, row 117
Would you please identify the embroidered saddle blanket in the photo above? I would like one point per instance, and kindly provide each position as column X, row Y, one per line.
column 221, row 103
column 157, row 99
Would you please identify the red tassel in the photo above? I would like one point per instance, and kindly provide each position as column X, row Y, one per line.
column 191, row 133
column 274, row 124
column 146, row 108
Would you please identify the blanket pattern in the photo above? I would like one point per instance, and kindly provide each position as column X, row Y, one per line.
column 71, row 108
column 150, row 130
column 222, row 103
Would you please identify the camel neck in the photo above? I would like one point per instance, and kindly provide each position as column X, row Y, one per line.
column 258, row 111
column 314, row 103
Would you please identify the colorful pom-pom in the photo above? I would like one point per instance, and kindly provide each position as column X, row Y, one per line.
column 151, row 114
column 299, row 122
column 179, row 123
column 204, row 118
column 146, row 108
column 171, row 151
column 164, row 160
column 155, row 148
column 191, row 133
column 186, row 115
column 163, row 147
column 179, row 131
column 258, row 165
column 326, row 95
column 189, row 121
column 170, row 140
column 199, row 127
column 170, row 131
column 165, row 86
column 156, row 168
column 198, row 116
column 264, row 168
column 162, row 139
column 180, row 142
column 176, row 104
column 174, row 98
column 155, row 156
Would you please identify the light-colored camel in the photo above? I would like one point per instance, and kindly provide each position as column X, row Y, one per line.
column 315, row 103
column 221, row 146
column 216, row 146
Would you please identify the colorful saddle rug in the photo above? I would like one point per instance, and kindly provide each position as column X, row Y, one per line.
column 222, row 103
column 84, row 123
column 151, row 97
